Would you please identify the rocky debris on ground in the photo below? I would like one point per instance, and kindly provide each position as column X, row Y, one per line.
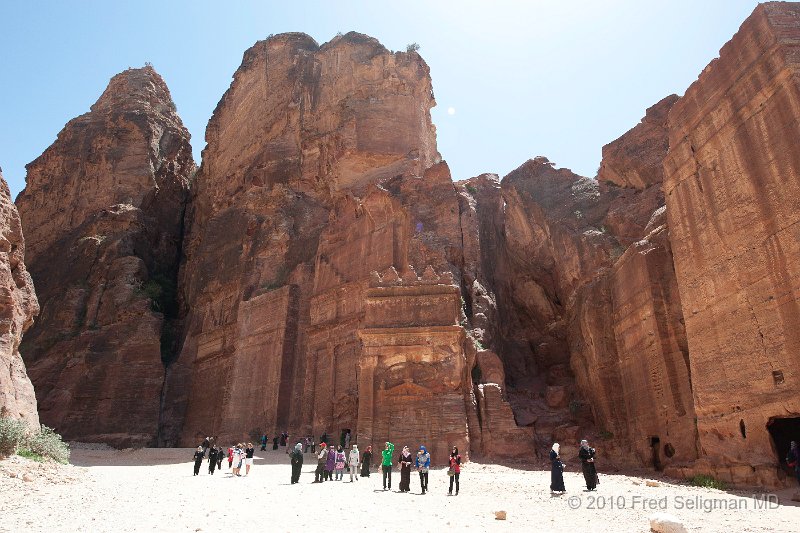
column 23, row 470
column 666, row 523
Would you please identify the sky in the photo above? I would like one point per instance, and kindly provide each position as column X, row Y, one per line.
column 512, row 79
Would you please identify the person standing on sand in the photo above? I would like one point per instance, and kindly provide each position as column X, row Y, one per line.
column 235, row 468
column 249, row 453
column 455, row 470
column 297, row 462
column 230, row 457
column 405, row 469
column 341, row 459
column 238, row 459
column 330, row 463
column 322, row 458
column 366, row 462
column 556, row 471
column 212, row 460
column 198, row 460
column 353, row 461
column 793, row 459
column 386, row 465
column 586, row 455
column 274, row 443
column 206, row 444
column 263, row 443
column 423, row 464
column 220, row 455
column 313, row 445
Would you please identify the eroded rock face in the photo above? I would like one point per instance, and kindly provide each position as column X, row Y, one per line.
column 320, row 174
column 539, row 240
column 334, row 278
column 630, row 357
column 629, row 349
column 104, row 205
column 636, row 159
column 18, row 307
column 732, row 185
column 586, row 317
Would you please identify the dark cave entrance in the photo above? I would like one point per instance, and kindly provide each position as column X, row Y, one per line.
column 783, row 431
column 344, row 438
column 655, row 442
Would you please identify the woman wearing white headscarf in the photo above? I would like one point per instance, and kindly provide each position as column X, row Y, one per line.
column 556, row 471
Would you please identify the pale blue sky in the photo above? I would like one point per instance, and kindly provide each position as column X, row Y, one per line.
column 552, row 78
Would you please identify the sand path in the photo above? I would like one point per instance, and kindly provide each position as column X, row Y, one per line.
column 154, row 489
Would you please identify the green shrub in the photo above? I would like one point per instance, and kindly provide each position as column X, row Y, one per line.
column 12, row 435
column 472, row 189
column 702, row 480
column 24, row 452
column 48, row 443
column 413, row 47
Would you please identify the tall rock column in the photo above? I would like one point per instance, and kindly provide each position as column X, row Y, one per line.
column 103, row 207
column 18, row 307
column 303, row 129
column 733, row 203
column 629, row 350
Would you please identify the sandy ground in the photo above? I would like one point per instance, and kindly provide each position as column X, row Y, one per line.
column 154, row 489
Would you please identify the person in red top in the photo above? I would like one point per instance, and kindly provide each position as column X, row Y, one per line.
column 455, row 470
column 230, row 457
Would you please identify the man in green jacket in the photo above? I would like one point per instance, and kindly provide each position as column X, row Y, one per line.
column 386, row 465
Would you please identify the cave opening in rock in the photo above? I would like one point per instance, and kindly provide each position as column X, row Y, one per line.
column 783, row 431
column 655, row 448
column 343, row 440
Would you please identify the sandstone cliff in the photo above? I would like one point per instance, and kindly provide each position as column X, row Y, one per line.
column 18, row 307
column 333, row 277
column 320, row 180
column 104, row 207
column 732, row 185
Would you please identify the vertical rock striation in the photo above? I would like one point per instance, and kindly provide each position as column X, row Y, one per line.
column 18, row 307
column 320, row 173
column 104, row 207
column 732, row 184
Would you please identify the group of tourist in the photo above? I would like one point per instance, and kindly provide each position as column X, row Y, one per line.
column 333, row 461
column 239, row 455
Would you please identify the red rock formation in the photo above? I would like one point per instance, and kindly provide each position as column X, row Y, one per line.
column 335, row 278
column 321, row 168
column 412, row 379
column 628, row 342
column 300, row 126
column 551, row 269
column 636, row 159
column 540, row 239
column 18, row 307
column 630, row 355
column 103, row 206
column 732, row 184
